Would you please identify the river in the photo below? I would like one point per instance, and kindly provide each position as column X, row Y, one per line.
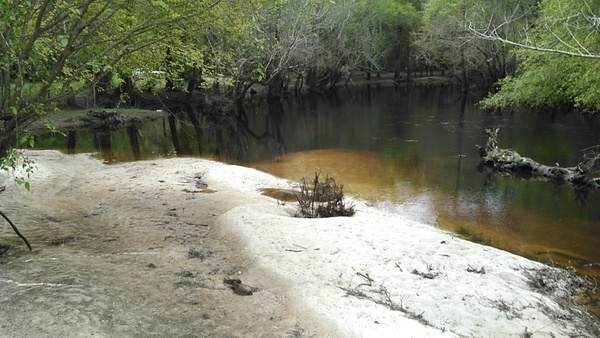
column 407, row 149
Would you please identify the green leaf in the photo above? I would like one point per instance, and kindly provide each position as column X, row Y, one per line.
column 63, row 40
column 161, row 4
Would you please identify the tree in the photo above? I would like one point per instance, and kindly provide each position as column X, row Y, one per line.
column 323, row 40
column 286, row 32
column 335, row 51
column 562, row 27
column 51, row 50
column 447, row 42
column 398, row 22
column 559, row 44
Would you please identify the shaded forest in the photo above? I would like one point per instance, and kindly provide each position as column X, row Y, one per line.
column 535, row 54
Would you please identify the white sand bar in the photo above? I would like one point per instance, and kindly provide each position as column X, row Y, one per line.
column 371, row 275
column 380, row 275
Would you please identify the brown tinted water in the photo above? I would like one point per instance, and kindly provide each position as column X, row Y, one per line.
column 560, row 241
column 389, row 185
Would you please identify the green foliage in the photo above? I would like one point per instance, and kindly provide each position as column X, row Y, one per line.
column 318, row 38
column 550, row 80
column 322, row 197
column 447, row 42
column 559, row 61
column 19, row 165
column 52, row 50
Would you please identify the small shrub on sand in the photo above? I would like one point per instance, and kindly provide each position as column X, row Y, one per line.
column 322, row 197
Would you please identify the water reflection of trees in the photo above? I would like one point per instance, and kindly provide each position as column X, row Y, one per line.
column 215, row 128
column 222, row 129
column 133, row 132
column 491, row 180
column 103, row 145
column 103, row 140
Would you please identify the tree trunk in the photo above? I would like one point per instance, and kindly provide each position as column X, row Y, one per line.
column 276, row 86
column 409, row 70
column 193, row 82
column 464, row 89
column 299, row 82
column 128, row 93
column 8, row 138
column 169, row 59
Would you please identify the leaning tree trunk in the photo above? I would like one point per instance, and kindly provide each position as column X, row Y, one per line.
column 512, row 163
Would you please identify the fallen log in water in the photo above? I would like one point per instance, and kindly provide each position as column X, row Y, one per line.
column 512, row 163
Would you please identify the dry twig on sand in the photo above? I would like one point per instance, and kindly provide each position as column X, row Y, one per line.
column 14, row 227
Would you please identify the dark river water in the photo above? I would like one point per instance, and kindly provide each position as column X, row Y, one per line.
column 410, row 150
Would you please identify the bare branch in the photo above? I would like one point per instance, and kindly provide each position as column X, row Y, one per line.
column 568, row 31
column 493, row 36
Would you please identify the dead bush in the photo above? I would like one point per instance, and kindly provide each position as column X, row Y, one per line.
column 322, row 197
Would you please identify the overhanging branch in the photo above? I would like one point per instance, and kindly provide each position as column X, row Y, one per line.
column 493, row 36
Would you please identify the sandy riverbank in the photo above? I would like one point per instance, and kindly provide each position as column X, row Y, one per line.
column 142, row 249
